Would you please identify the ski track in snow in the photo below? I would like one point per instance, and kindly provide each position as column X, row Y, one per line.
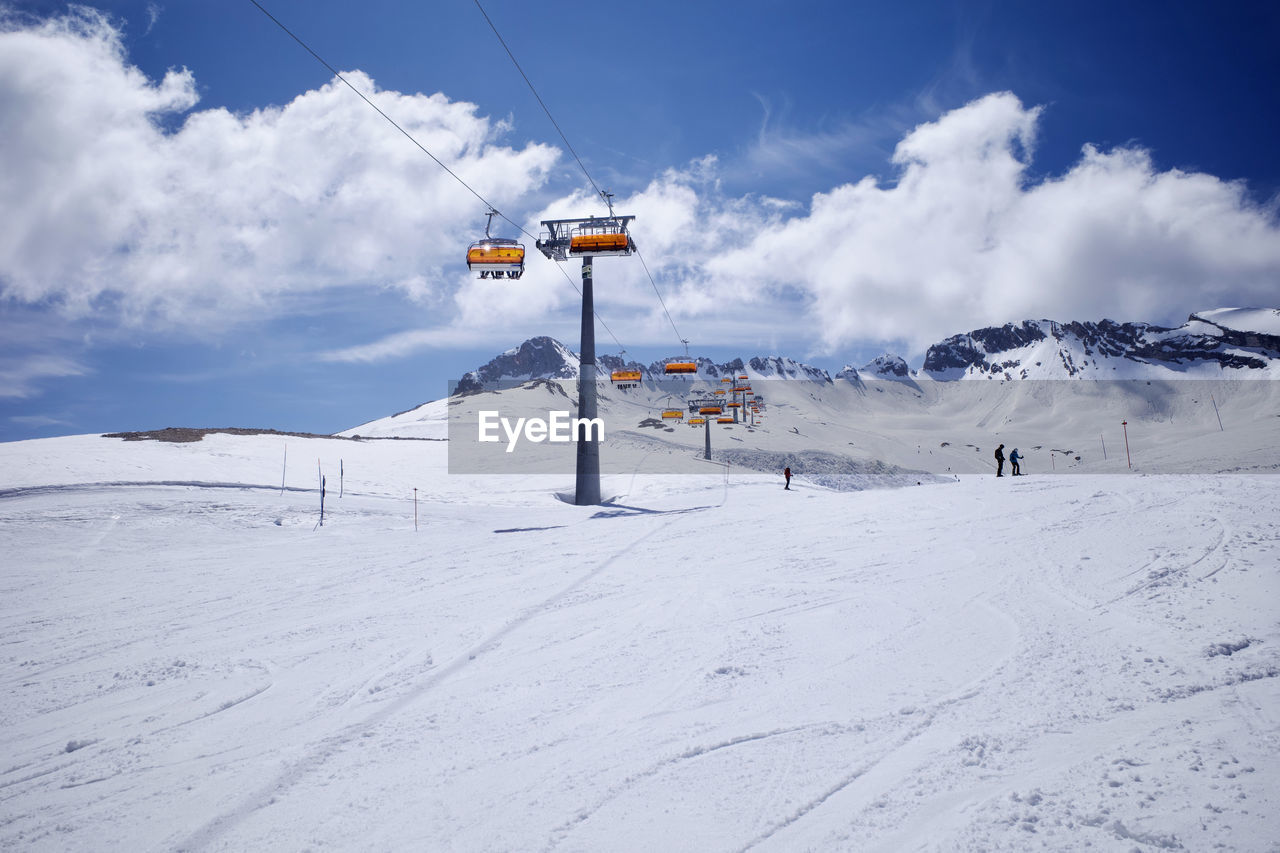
column 1070, row 663
column 321, row 753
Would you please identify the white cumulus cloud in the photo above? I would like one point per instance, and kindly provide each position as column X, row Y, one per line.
column 229, row 216
column 964, row 238
column 126, row 203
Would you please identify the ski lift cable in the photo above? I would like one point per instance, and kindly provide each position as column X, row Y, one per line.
column 380, row 112
column 662, row 301
column 422, row 147
column 606, row 197
column 541, row 103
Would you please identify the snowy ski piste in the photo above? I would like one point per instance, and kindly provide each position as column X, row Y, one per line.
column 1082, row 658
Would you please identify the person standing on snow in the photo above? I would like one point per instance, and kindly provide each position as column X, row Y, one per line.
column 1000, row 461
column 1013, row 463
column 786, row 472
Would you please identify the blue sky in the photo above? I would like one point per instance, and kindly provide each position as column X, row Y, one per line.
column 203, row 230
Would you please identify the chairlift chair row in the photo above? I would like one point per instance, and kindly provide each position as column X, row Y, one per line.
column 586, row 238
column 599, row 244
column 496, row 257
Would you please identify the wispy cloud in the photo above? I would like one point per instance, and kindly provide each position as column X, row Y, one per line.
column 38, row 421
column 19, row 378
column 402, row 344
column 780, row 150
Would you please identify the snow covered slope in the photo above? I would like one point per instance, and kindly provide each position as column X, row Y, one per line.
column 425, row 421
column 942, row 428
column 1248, row 321
column 706, row 663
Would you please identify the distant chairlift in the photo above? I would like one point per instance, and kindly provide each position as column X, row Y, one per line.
column 681, row 367
column 624, row 379
column 677, row 414
column 494, row 257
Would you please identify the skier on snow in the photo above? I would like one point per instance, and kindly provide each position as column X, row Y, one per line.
column 1000, row 461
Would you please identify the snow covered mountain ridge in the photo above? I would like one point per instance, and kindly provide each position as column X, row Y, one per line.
column 1234, row 342
column 546, row 358
column 882, row 367
column 537, row 358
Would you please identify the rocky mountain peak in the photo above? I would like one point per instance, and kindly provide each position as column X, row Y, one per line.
column 537, row 358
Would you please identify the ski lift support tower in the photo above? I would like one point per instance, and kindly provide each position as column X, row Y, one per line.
column 587, row 239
